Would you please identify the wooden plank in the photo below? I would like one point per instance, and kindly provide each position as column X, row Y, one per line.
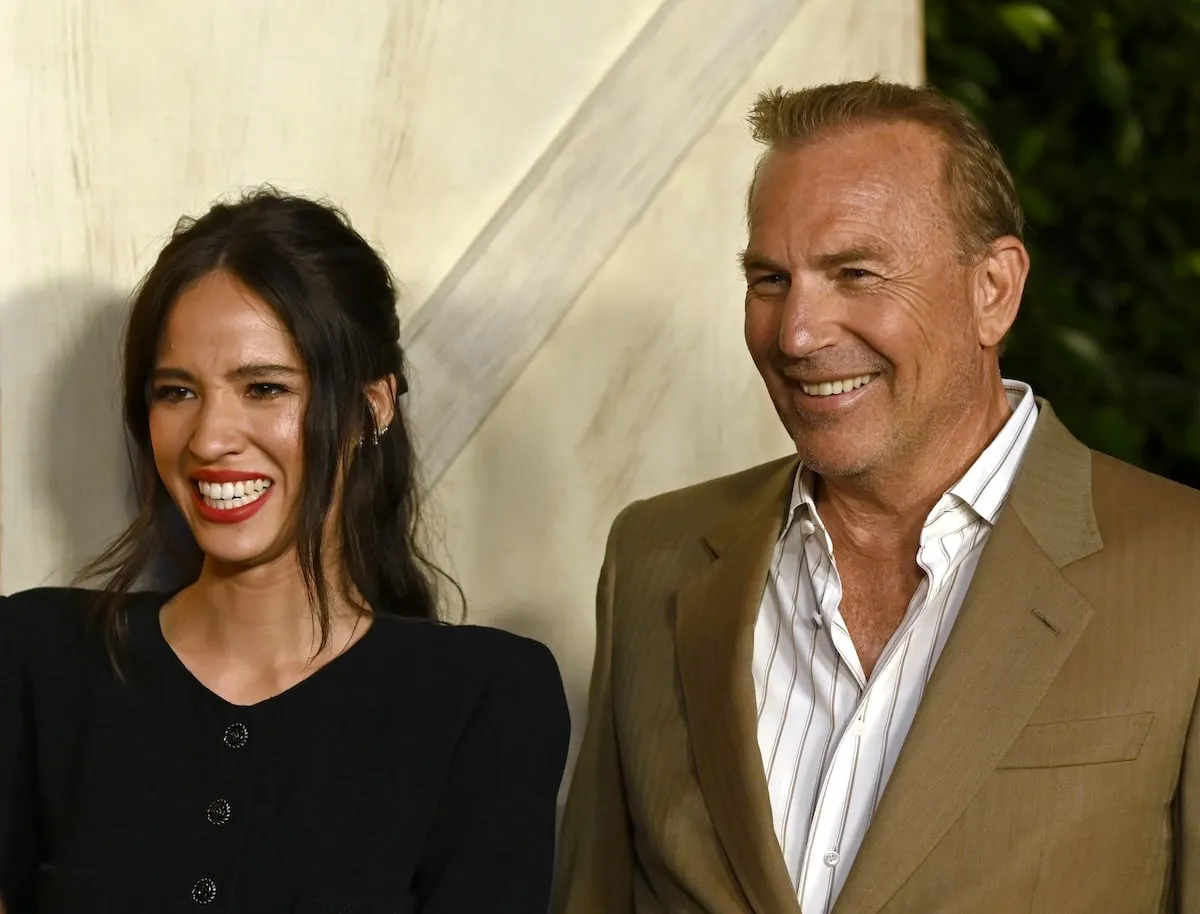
column 475, row 334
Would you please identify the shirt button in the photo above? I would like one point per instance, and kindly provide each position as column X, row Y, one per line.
column 218, row 812
column 831, row 858
column 857, row 726
column 807, row 527
column 236, row 736
column 204, row 891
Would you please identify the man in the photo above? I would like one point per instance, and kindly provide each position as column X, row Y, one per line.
column 944, row 659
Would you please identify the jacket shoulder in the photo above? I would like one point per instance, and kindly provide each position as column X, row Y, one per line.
column 1123, row 491
column 688, row 511
column 1148, row 523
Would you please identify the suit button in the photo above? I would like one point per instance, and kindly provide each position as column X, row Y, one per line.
column 236, row 736
column 204, row 891
column 831, row 858
column 218, row 812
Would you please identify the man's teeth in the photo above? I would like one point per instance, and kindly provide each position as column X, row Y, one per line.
column 226, row 495
column 829, row 388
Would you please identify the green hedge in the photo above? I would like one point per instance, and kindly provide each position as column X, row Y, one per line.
column 1096, row 106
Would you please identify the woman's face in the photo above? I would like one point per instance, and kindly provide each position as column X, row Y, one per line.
column 227, row 403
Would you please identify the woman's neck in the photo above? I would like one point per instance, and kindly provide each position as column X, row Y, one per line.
column 248, row 634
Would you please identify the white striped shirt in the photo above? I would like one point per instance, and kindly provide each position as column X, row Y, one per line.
column 830, row 737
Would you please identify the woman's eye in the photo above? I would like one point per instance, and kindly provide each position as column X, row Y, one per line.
column 170, row 394
column 266, row 391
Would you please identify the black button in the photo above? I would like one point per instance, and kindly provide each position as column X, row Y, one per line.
column 236, row 736
column 218, row 812
column 204, row 891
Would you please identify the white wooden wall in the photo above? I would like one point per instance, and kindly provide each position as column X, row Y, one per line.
column 557, row 183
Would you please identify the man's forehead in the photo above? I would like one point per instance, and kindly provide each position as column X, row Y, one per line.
column 899, row 153
column 850, row 176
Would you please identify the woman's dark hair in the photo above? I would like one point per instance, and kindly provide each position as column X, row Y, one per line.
column 337, row 299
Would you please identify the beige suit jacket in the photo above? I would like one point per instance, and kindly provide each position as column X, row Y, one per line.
column 1054, row 762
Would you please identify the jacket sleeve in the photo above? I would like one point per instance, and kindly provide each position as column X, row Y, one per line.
column 596, row 859
column 491, row 845
column 1187, row 824
column 18, row 822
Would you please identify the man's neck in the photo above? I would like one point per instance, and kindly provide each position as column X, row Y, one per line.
column 881, row 514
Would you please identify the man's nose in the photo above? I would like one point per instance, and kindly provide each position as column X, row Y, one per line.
column 809, row 322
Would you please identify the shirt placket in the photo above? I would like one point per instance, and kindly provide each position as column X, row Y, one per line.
column 826, row 857
column 822, row 854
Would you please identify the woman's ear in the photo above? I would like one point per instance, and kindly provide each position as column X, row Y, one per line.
column 381, row 397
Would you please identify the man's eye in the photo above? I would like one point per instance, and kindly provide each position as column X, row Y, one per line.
column 854, row 273
column 770, row 281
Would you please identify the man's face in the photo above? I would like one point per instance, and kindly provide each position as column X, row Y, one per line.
column 859, row 314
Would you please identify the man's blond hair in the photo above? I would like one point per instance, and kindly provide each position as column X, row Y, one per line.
column 979, row 188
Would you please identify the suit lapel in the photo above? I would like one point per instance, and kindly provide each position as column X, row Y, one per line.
column 1017, row 626
column 715, row 619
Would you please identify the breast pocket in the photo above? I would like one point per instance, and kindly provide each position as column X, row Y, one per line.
column 1094, row 741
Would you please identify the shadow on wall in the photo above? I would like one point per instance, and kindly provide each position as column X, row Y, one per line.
column 79, row 459
column 614, row 410
column 61, row 345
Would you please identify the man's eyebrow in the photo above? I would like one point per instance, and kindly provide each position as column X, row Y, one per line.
column 859, row 253
column 751, row 262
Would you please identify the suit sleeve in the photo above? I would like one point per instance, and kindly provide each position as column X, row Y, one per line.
column 1187, row 824
column 491, row 846
column 596, row 860
column 18, row 822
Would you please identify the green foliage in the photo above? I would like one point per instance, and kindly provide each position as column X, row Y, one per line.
column 1096, row 107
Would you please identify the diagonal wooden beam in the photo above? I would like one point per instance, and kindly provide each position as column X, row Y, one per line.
column 475, row 334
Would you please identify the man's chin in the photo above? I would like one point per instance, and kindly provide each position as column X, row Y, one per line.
column 833, row 461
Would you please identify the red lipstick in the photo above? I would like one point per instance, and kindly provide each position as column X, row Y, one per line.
column 226, row 515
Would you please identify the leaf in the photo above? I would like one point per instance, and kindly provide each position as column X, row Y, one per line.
column 1191, row 437
column 1031, row 23
column 1110, row 76
column 1129, row 140
column 1119, row 435
column 1085, row 347
column 1030, row 147
column 970, row 94
column 1039, row 207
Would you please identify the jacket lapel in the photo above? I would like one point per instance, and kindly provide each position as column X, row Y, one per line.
column 715, row 619
column 1018, row 624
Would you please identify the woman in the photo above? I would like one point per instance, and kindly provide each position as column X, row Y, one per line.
column 292, row 731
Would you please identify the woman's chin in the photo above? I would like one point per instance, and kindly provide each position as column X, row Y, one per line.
column 225, row 557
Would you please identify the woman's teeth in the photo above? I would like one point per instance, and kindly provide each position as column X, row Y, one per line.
column 226, row 495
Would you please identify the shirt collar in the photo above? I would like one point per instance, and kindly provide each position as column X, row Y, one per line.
column 983, row 487
column 986, row 483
